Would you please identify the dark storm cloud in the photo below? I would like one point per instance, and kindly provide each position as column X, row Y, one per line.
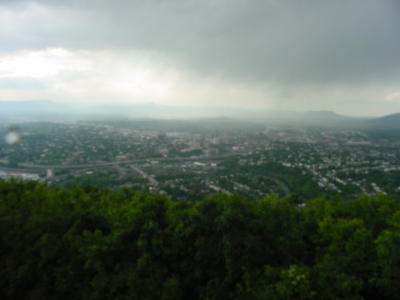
column 283, row 42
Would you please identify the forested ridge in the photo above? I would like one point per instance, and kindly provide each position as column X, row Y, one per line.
column 87, row 243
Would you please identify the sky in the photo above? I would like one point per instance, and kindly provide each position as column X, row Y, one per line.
column 341, row 55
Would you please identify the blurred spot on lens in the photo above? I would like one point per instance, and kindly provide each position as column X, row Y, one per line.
column 12, row 137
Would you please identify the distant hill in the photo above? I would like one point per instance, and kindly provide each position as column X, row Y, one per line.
column 322, row 115
column 31, row 107
column 386, row 122
column 53, row 110
column 311, row 118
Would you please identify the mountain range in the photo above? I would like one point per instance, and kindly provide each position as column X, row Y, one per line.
column 50, row 109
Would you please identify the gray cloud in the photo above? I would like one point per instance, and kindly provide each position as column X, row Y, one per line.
column 299, row 51
column 275, row 41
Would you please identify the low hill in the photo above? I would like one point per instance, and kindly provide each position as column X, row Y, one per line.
column 311, row 118
column 387, row 122
column 11, row 108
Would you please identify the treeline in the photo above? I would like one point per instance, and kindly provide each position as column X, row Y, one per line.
column 86, row 243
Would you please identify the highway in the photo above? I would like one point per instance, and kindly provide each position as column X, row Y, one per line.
column 30, row 166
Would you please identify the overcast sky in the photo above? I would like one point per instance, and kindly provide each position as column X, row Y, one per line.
column 341, row 55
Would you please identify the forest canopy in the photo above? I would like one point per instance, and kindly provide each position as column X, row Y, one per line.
column 87, row 243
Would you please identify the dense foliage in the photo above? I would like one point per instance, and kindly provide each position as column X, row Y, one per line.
column 85, row 243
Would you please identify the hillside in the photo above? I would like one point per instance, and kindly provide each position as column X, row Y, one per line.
column 84, row 243
column 387, row 122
